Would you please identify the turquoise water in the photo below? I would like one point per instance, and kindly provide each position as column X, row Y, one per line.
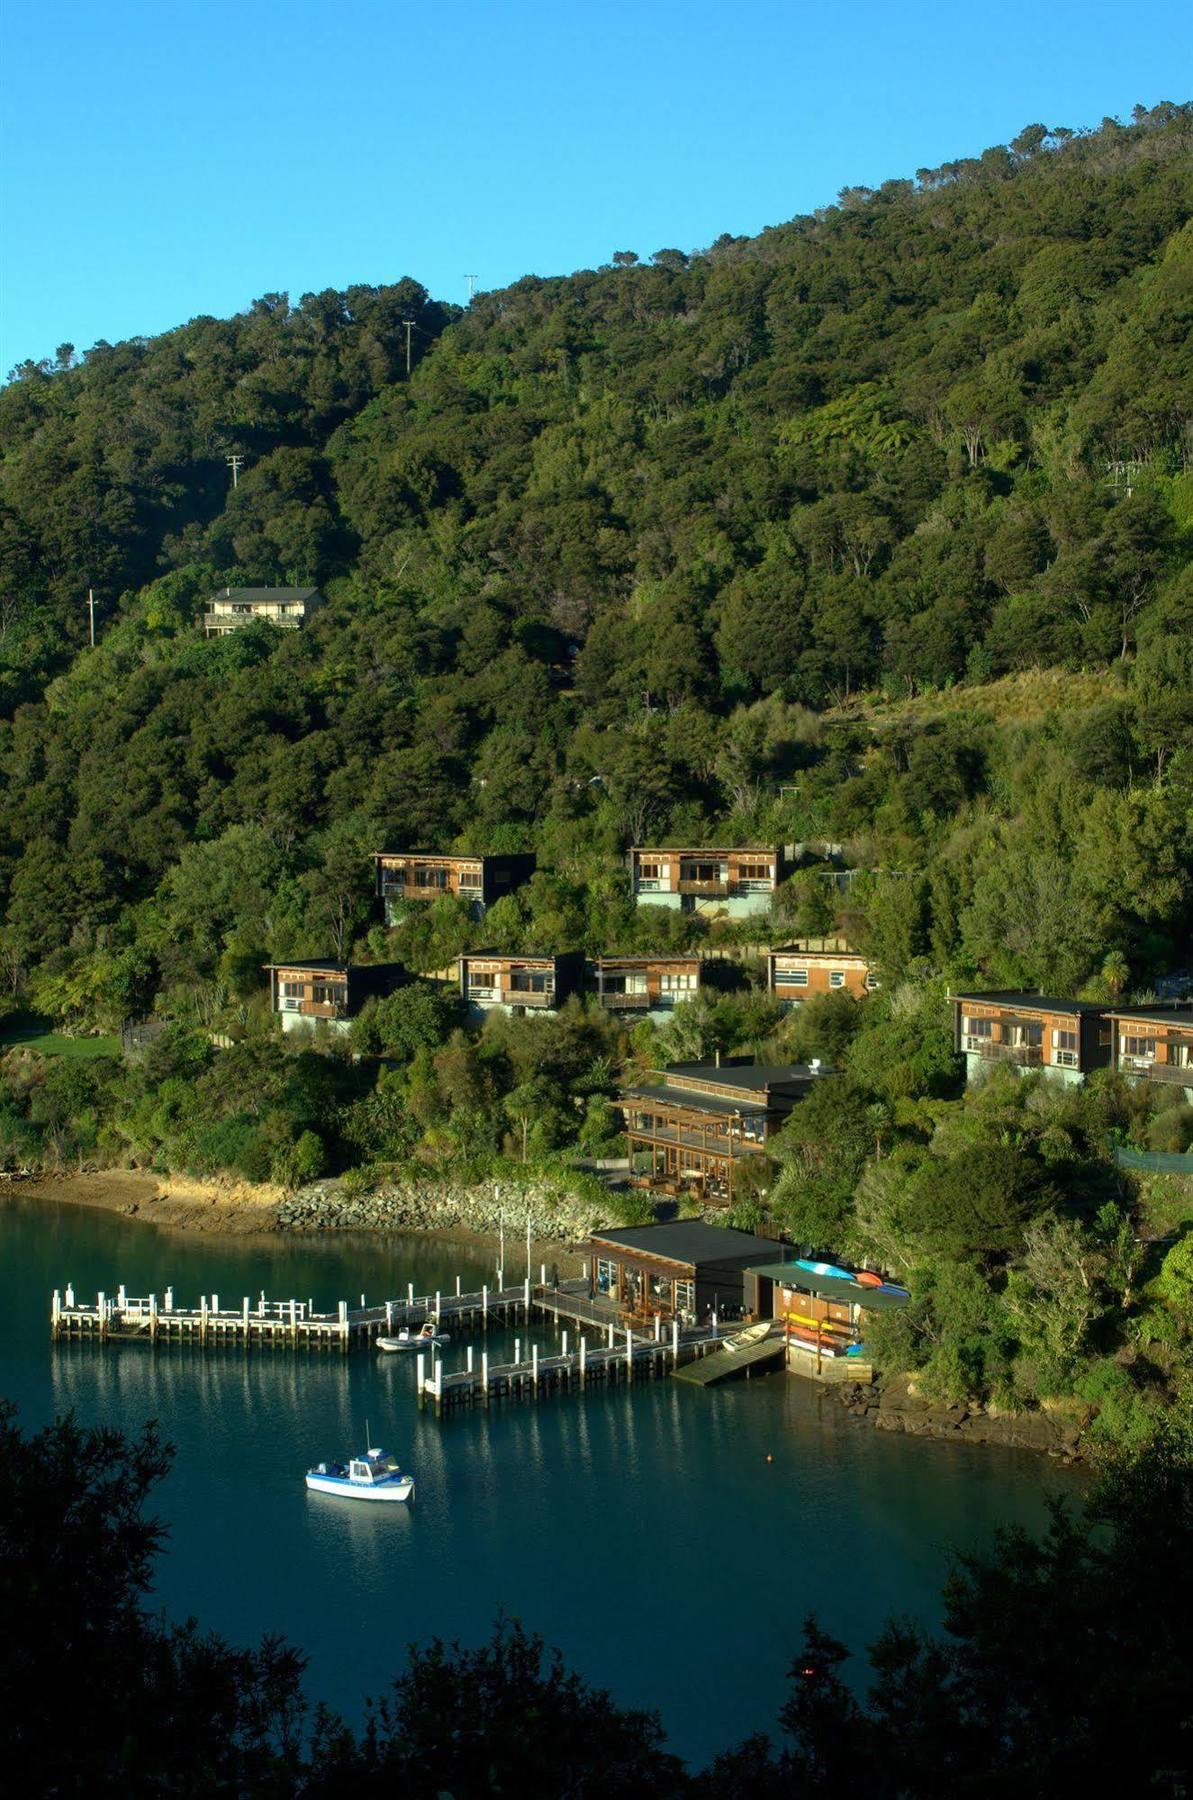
column 644, row 1532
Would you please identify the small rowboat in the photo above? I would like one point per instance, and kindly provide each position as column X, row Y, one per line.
column 425, row 1338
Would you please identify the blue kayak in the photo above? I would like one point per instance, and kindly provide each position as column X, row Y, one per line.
column 815, row 1268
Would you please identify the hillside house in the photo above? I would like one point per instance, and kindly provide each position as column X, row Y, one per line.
column 689, row 1132
column 795, row 972
column 735, row 883
column 490, row 981
column 1153, row 1043
column 682, row 1267
column 422, row 875
column 645, row 987
column 286, row 607
column 328, row 993
column 1068, row 1038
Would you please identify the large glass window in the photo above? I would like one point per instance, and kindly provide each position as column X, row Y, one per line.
column 606, row 1276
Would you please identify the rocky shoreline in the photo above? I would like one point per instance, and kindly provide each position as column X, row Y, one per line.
column 890, row 1404
column 555, row 1215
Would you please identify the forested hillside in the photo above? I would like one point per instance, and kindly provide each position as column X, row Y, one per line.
column 617, row 560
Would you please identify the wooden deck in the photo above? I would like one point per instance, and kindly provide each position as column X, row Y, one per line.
column 728, row 1363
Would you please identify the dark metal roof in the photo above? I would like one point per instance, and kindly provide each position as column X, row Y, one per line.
column 328, row 962
column 829, row 1287
column 266, row 593
column 686, row 1241
column 697, row 1102
column 1031, row 1002
column 748, row 1076
column 1162, row 1012
column 661, row 961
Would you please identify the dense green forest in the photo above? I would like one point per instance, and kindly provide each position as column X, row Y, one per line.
column 873, row 532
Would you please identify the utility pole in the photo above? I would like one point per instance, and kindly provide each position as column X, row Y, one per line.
column 409, row 324
column 234, row 463
column 91, row 610
column 471, row 280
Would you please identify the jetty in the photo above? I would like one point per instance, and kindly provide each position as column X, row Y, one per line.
column 742, row 1355
column 276, row 1324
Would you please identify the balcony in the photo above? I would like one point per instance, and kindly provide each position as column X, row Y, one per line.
column 516, row 996
column 397, row 887
column 622, row 1002
column 315, row 1009
column 1181, row 1074
column 717, row 1144
column 712, row 890
column 1026, row 1056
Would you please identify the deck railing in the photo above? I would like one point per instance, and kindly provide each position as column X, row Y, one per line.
column 1027, row 1055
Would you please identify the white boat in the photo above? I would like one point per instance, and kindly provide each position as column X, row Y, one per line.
column 373, row 1476
column 428, row 1337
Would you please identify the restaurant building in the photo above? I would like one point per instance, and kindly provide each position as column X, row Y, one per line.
column 681, row 1267
column 689, row 1131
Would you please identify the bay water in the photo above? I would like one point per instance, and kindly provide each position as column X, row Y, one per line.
column 669, row 1539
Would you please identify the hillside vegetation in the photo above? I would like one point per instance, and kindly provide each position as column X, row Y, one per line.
column 872, row 534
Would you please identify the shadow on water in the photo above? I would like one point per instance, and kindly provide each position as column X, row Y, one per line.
column 645, row 1533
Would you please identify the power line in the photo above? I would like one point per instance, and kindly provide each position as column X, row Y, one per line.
column 471, row 280
column 91, row 610
column 234, row 463
column 409, row 324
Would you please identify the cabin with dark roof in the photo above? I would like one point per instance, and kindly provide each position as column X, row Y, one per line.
column 326, row 994
column 1067, row 1038
column 689, row 1130
column 285, row 607
column 648, row 987
column 418, row 876
column 1153, row 1044
column 683, row 1267
column 489, row 980
column 734, row 882
column 795, row 972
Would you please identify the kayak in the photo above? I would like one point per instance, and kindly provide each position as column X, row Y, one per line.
column 819, row 1268
column 867, row 1278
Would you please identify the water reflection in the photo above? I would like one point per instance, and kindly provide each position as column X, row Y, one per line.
column 630, row 1526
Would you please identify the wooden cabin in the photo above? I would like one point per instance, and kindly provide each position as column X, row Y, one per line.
column 795, row 972
column 489, row 980
column 733, row 882
column 419, row 875
column 233, row 608
column 682, row 1267
column 328, row 993
column 1153, row 1043
column 689, row 1131
column 1068, row 1038
column 644, row 986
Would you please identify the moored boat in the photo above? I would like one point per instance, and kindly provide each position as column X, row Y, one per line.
column 427, row 1337
column 373, row 1476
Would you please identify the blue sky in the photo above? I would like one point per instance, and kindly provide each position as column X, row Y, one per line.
column 163, row 158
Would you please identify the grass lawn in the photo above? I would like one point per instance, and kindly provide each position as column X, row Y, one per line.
column 38, row 1034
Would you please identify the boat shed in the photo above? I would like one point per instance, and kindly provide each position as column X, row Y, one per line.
column 822, row 1314
column 681, row 1267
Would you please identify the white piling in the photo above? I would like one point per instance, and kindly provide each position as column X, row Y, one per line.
column 389, row 1316
column 485, row 1373
column 542, row 1274
column 244, row 1317
column 70, row 1296
column 565, row 1341
column 629, row 1347
column 534, row 1364
column 437, row 1302
column 410, row 1293
column 658, row 1327
column 526, row 1297
column 583, row 1360
column 57, row 1308
column 485, row 1302
column 469, row 1359
column 422, row 1372
column 610, row 1337
column 215, row 1303
column 517, row 1350
column 714, row 1322
column 362, row 1303
column 458, row 1288
column 675, row 1340
column 120, row 1297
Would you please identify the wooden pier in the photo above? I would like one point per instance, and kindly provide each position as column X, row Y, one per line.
column 625, row 1355
column 282, row 1323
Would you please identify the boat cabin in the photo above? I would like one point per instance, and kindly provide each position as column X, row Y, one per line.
column 683, row 1267
column 326, row 993
column 491, row 981
column 733, row 882
column 794, row 972
column 688, row 1132
column 414, row 876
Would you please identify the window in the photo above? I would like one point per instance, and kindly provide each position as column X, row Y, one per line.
column 872, row 982
column 754, row 871
column 1104, row 1035
column 792, row 977
column 650, row 871
column 685, row 1296
column 983, row 1028
column 836, row 978
column 1143, row 1047
column 329, row 993
column 606, row 1276
column 1064, row 1040
column 672, row 983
